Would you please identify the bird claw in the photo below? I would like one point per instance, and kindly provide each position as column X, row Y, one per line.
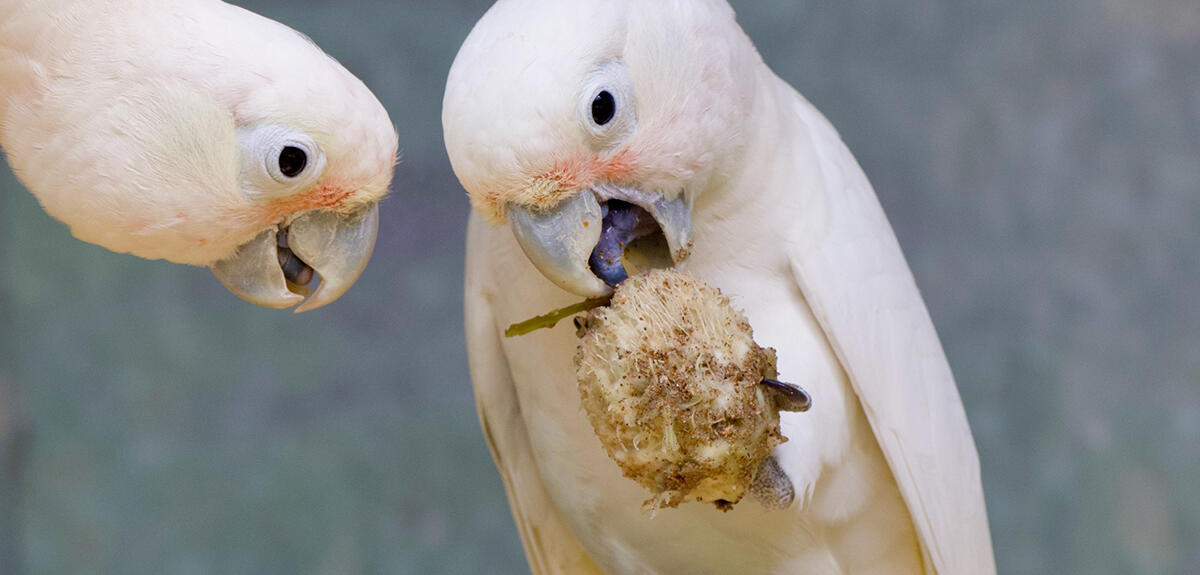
column 788, row 397
column 772, row 487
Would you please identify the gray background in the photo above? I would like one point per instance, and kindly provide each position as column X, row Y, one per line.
column 1040, row 160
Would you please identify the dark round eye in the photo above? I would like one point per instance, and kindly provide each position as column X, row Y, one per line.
column 292, row 161
column 604, row 107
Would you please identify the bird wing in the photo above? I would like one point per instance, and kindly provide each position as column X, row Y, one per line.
column 550, row 546
column 855, row 279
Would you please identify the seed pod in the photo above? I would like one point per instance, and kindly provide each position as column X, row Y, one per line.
column 669, row 376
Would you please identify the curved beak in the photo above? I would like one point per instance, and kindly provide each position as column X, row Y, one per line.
column 582, row 244
column 560, row 241
column 272, row 269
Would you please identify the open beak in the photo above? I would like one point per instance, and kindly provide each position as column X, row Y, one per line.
column 273, row 269
column 590, row 242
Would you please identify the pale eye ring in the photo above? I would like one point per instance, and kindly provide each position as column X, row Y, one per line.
column 278, row 161
column 607, row 110
column 291, row 160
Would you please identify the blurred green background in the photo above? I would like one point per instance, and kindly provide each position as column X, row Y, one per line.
column 1040, row 160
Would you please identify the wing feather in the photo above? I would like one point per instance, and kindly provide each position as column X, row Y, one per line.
column 862, row 293
column 550, row 547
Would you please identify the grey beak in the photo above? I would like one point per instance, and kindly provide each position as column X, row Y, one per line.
column 336, row 246
column 559, row 241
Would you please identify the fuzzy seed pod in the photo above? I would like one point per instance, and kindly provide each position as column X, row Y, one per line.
column 669, row 375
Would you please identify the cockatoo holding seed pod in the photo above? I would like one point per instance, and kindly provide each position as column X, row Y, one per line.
column 578, row 126
column 197, row 132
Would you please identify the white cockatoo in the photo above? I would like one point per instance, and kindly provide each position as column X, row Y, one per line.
column 559, row 114
column 200, row 133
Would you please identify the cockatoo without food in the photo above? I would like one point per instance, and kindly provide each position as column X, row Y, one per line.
column 563, row 118
column 197, row 132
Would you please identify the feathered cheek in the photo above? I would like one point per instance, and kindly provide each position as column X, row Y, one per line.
column 328, row 196
column 565, row 177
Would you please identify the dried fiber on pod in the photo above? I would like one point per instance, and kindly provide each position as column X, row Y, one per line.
column 669, row 375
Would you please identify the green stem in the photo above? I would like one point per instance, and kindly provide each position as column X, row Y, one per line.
column 551, row 319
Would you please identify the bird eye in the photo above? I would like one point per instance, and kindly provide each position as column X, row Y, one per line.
column 292, row 158
column 607, row 109
column 292, row 161
column 278, row 161
column 604, row 107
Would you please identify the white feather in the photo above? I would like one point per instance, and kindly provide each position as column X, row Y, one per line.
column 123, row 118
column 787, row 225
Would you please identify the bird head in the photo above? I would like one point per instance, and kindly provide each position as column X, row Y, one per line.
column 204, row 134
column 316, row 155
column 590, row 125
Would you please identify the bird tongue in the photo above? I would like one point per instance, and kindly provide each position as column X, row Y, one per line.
column 295, row 270
column 623, row 224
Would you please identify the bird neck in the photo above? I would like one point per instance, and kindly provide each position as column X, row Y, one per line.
column 765, row 130
column 777, row 189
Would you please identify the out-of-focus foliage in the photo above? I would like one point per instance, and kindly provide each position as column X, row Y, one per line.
column 1040, row 160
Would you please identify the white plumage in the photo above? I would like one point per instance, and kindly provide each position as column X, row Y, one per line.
column 782, row 219
column 155, row 127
